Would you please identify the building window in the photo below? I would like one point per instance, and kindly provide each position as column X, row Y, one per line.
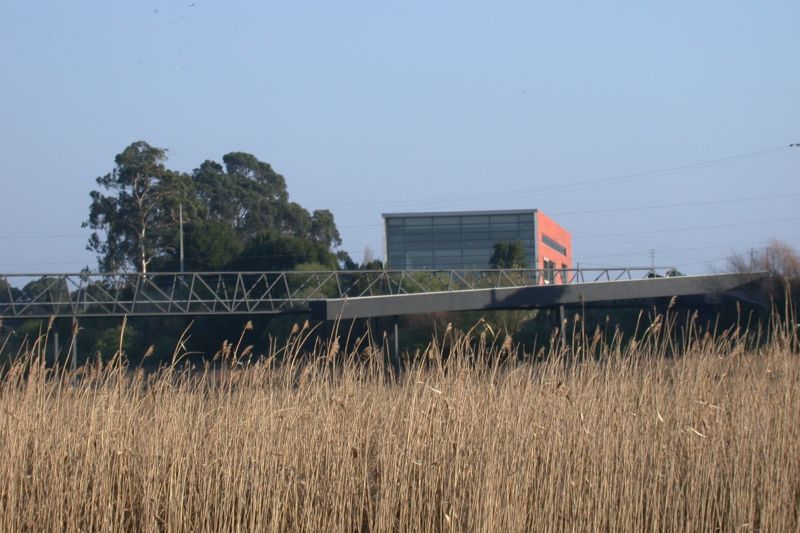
column 552, row 243
column 549, row 273
column 447, row 241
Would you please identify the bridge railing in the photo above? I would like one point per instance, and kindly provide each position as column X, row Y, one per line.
column 227, row 293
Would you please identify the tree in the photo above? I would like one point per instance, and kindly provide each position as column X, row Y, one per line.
column 246, row 166
column 45, row 289
column 368, row 255
column 7, row 292
column 218, row 194
column 236, row 215
column 369, row 262
column 345, row 261
column 294, row 220
column 137, row 220
column 777, row 258
column 273, row 251
column 210, row 245
column 375, row 264
column 782, row 262
column 251, row 198
column 258, row 191
column 323, row 229
column 508, row 254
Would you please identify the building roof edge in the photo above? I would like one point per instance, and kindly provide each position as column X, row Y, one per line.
column 462, row 213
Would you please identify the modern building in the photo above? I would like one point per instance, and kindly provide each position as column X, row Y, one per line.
column 466, row 239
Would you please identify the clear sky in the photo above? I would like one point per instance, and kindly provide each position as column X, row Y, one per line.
column 371, row 107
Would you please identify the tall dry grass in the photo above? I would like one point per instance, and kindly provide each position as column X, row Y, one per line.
column 647, row 436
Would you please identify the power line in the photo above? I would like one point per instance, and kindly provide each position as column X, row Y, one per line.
column 353, row 255
column 636, row 208
column 680, row 204
column 692, row 248
column 690, row 228
column 729, row 246
column 543, row 191
column 579, row 185
column 34, row 237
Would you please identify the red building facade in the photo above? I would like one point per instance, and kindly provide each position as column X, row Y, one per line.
column 553, row 246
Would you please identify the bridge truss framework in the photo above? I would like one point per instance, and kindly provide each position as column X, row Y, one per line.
column 28, row 296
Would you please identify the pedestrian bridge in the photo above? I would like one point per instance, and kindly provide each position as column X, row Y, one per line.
column 330, row 295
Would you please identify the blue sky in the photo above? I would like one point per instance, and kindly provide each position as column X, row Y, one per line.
column 371, row 107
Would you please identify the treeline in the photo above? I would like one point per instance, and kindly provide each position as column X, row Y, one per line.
column 236, row 215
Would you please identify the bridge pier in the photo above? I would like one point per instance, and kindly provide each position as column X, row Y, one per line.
column 396, row 336
column 56, row 347
column 73, row 347
column 387, row 330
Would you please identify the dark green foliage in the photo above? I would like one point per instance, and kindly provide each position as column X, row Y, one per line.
column 247, row 194
column 109, row 340
column 323, row 229
column 375, row 264
column 237, row 215
column 293, row 220
column 272, row 251
column 46, row 284
column 345, row 261
column 138, row 215
column 508, row 254
column 7, row 293
column 250, row 199
column 210, row 245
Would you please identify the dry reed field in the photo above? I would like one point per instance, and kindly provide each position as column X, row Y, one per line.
column 656, row 435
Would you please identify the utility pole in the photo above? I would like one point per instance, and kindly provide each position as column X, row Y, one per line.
column 180, row 230
column 653, row 260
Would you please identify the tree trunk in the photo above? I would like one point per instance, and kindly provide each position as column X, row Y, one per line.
column 142, row 252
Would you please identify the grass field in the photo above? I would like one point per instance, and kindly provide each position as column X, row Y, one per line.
column 700, row 434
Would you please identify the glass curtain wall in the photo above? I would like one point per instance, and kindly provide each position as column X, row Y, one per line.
column 454, row 241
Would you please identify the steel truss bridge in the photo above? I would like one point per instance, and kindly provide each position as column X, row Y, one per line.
column 84, row 295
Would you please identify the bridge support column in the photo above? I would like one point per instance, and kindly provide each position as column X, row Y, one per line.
column 396, row 335
column 56, row 347
column 386, row 332
column 73, row 347
column 562, row 318
column 373, row 325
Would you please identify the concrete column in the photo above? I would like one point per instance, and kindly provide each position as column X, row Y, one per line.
column 396, row 335
column 73, row 348
column 56, row 346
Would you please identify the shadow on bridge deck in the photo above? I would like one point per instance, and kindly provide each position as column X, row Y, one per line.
column 703, row 289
